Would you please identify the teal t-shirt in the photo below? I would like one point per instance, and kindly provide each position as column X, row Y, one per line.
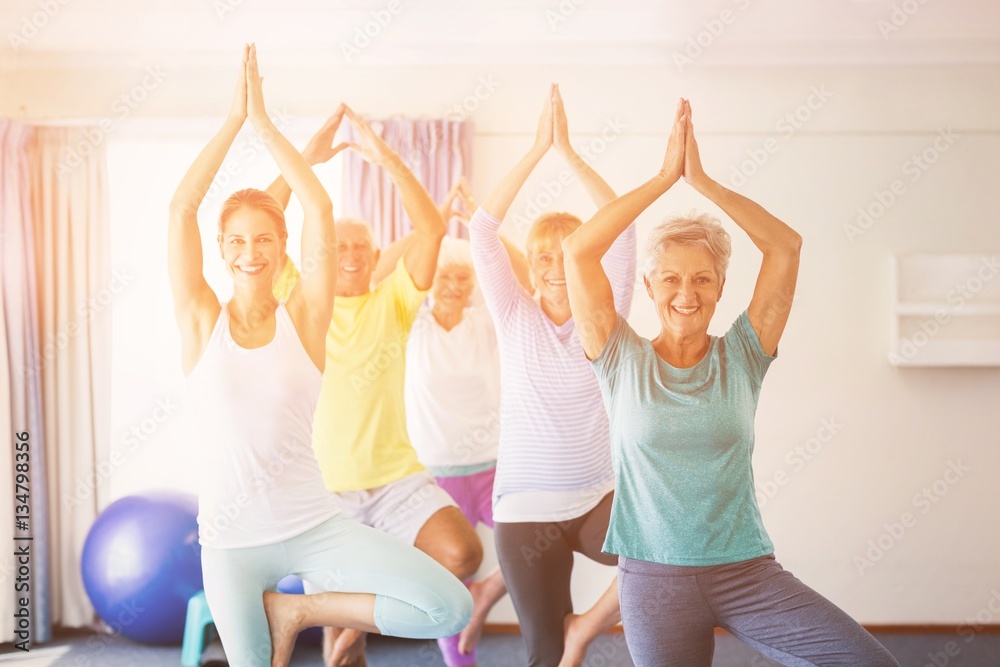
column 681, row 440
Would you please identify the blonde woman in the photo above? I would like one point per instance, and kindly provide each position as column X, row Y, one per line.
column 554, row 482
column 254, row 367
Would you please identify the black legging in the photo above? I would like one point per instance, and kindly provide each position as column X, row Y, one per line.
column 537, row 560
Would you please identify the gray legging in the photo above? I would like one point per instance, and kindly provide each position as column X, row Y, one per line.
column 537, row 561
column 670, row 612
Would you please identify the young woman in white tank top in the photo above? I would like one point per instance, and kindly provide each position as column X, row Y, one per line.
column 254, row 368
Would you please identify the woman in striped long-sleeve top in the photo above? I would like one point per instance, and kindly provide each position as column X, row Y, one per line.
column 554, row 483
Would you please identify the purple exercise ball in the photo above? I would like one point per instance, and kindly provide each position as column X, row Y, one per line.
column 142, row 563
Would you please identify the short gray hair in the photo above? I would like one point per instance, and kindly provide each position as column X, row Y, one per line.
column 359, row 222
column 697, row 229
column 455, row 251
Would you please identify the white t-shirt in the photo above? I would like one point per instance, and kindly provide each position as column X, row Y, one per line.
column 452, row 390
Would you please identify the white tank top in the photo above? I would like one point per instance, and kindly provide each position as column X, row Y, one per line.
column 260, row 483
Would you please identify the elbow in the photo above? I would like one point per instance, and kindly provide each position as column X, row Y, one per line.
column 317, row 199
column 788, row 245
column 576, row 247
column 437, row 232
column 181, row 207
column 571, row 245
column 795, row 243
column 321, row 209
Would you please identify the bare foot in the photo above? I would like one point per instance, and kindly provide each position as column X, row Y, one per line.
column 575, row 641
column 469, row 638
column 284, row 618
column 347, row 650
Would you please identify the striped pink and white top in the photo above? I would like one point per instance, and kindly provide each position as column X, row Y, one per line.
column 553, row 427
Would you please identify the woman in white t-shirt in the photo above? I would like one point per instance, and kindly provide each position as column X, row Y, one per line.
column 452, row 393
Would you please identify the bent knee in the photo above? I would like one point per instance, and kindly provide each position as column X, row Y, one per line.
column 469, row 558
column 457, row 611
column 461, row 558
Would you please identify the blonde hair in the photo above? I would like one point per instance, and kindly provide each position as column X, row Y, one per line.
column 256, row 199
column 549, row 227
column 694, row 229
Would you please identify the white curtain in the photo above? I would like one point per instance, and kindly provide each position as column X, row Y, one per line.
column 55, row 343
column 20, row 400
column 72, row 253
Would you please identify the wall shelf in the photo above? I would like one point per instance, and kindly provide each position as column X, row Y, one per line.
column 946, row 310
column 931, row 309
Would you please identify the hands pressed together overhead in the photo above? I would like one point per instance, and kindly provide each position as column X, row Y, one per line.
column 682, row 158
column 248, row 101
column 553, row 130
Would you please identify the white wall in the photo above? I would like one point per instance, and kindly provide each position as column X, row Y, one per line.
column 896, row 430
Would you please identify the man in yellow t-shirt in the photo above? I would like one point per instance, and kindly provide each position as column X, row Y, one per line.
column 359, row 430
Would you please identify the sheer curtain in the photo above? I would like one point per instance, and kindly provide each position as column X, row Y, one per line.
column 438, row 151
column 55, row 352
column 20, row 407
column 75, row 295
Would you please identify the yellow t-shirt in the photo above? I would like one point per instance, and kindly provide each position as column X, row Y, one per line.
column 359, row 431
column 286, row 280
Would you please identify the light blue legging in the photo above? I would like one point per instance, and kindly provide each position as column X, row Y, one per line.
column 414, row 596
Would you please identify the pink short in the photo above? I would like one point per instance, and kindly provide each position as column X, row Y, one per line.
column 473, row 494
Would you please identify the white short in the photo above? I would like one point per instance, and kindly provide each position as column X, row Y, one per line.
column 400, row 508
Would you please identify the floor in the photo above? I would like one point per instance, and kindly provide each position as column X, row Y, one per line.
column 496, row 650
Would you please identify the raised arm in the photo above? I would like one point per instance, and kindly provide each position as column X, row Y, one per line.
column 310, row 303
column 591, row 298
column 495, row 272
column 518, row 260
column 620, row 261
column 320, row 149
column 429, row 228
column 196, row 306
column 598, row 189
column 503, row 195
column 775, row 288
column 389, row 257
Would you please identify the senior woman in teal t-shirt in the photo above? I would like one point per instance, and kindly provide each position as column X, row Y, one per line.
column 693, row 552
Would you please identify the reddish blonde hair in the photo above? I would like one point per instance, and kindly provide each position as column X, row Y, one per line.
column 549, row 227
column 254, row 198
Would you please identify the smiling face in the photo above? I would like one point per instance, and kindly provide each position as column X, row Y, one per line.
column 547, row 273
column 685, row 287
column 356, row 258
column 252, row 243
column 545, row 256
column 453, row 285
